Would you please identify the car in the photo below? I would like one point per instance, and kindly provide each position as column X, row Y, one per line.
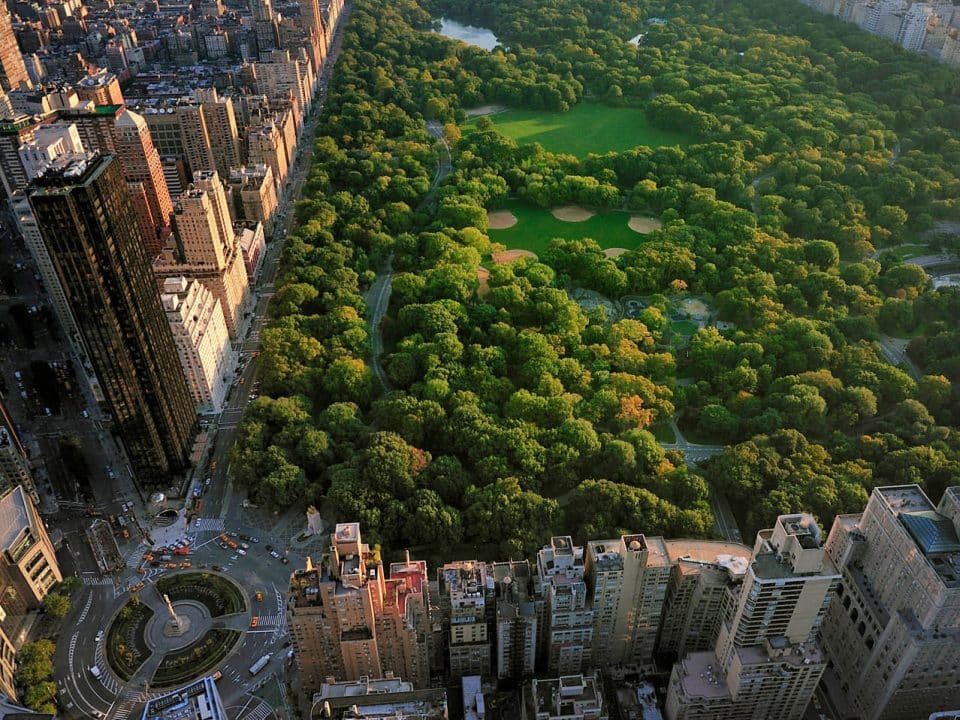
column 243, row 537
column 218, row 568
column 85, row 413
column 254, row 539
column 99, row 636
column 155, row 563
column 224, row 545
column 259, row 596
column 234, row 557
column 207, row 481
column 213, row 465
column 254, row 621
column 244, row 546
column 241, row 551
column 253, row 396
column 243, row 380
column 98, row 714
column 274, row 553
column 95, row 671
column 232, row 534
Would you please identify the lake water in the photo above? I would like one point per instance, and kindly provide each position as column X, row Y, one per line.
column 481, row 37
column 945, row 280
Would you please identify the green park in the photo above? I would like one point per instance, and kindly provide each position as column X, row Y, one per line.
column 585, row 128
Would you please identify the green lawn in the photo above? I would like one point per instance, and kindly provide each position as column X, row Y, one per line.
column 587, row 128
column 684, row 327
column 535, row 229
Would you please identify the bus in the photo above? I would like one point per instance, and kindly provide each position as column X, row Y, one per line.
column 259, row 665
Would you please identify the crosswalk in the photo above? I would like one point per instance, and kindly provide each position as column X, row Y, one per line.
column 260, row 712
column 208, row 525
column 96, row 581
column 272, row 620
column 109, row 681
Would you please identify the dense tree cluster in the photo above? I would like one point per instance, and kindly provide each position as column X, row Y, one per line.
column 515, row 413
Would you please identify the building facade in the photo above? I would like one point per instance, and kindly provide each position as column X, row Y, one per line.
column 893, row 632
column 627, row 584
column 466, row 595
column 567, row 639
column 348, row 621
column 766, row 663
column 203, row 343
column 92, row 236
column 13, row 71
column 568, row 697
column 28, row 561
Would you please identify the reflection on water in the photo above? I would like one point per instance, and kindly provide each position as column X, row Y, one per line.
column 481, row 37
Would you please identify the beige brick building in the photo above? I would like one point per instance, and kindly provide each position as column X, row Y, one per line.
column 207, row 248
column 567, row 637
column 254, row 193
column 203, row 343
column 348, row 621
column 627, row 581
column 766, row 664
column 893, row 633
column 466, row 599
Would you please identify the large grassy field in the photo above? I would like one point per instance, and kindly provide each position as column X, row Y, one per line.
column 586, row 128
column 535, row 229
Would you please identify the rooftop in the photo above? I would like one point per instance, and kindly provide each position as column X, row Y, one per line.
column 688, row 554
column 559, row 696
column 14, row 516
column 198, row 701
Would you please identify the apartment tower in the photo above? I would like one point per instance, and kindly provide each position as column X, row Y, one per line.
column 348, row 621
column 141, row 165
column 13, row 71
column 517, row 623
column 207, row 247
column 567, row 638
column 221, row 125
column 892, row 634
column 14, row 463
column 92, row 236
column 766, row 663
column 626, row 583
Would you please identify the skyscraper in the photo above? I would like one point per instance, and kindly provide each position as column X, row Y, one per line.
column 141, row 164
column 766, row 664
column 348, row 621
column 627, row 581
column 13, row 71
column 222, row 129
column 516, row 619
column 89, row 227
column 208, row 248
column 567, row 638
column 467, row 607
column 892, row 634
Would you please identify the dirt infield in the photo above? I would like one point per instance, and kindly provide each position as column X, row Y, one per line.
column 486, row 110
column 615, row 252
column 572, row 213
column 483, row 275
column 501, row 219
column 508, row 256
column 644, row 225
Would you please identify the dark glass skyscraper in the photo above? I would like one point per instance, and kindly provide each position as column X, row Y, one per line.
column 91, row 232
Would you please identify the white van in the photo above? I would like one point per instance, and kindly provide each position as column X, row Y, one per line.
column 95, row 671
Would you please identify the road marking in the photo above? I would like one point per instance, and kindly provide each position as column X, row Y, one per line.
column 99, row 581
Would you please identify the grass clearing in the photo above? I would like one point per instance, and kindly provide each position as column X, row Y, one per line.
column 535, row 229
column 586, row 128
column 684, row 327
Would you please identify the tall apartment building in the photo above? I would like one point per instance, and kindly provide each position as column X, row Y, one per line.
column 370, row 699
column 203, row 343
column 568, row 697
column 254, row 193
column 466, row 593
column 913, row 29
column 8, row 654
column 14, row 463
column 702, row 594
column 627, row 583
column 180, row 130
column 348, row 621
column 567, row 637
column 517, row 624
column 91, row 234
column 283, row 74
column 221, row 125
column 207, row 247
column 892, row 634
column 141, row 164
column 13, row 71
column 766, row 663
column 265, row 145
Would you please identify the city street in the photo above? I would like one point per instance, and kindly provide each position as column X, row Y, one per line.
column 81, row 694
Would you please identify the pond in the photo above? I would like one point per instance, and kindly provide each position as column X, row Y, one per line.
column 481, row 37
